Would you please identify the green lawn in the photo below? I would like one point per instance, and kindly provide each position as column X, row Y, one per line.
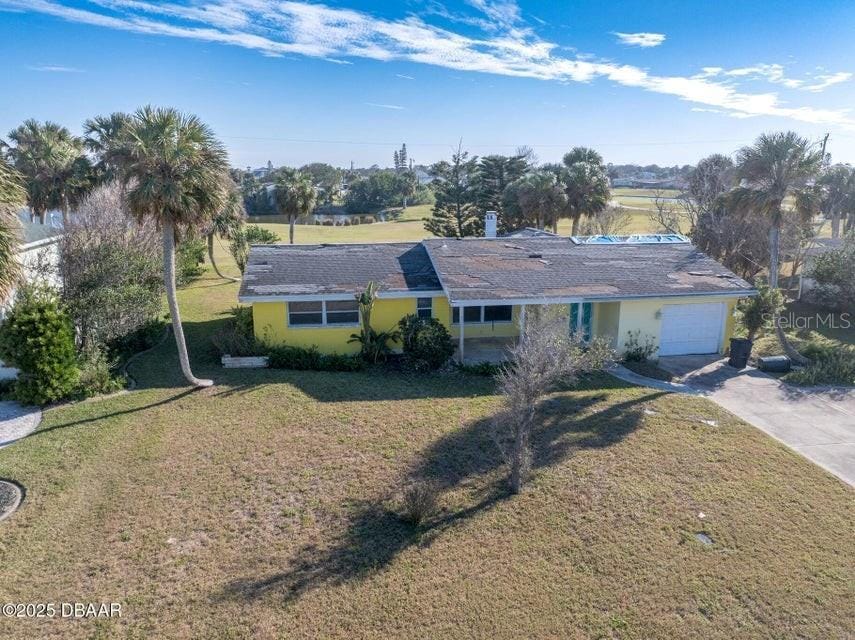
column 262, row 508
column 409, row 227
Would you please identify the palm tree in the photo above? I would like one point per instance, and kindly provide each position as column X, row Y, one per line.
column 777, row 167
column 51, row 160
column 225, row 223
column 294, row 195
column 174, row 172
column 586, row 184
column 13, row 196
column 838, row 187
column 101, row 135
column 536, row 197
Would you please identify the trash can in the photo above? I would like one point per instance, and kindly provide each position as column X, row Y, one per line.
column 740, row 351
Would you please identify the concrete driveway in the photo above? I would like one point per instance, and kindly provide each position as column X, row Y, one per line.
column 818, row 423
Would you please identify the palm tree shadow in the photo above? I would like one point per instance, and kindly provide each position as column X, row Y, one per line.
column 465, row 458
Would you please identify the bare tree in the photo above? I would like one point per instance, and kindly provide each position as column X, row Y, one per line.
column 610, row 221
column 666, row 215
column 545, row 356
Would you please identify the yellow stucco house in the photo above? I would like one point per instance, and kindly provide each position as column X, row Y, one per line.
column 658, row 285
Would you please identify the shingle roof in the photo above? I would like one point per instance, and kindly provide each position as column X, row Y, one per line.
column 291, row 270
column 556, row 268
column 538, row 268
column 528, row 232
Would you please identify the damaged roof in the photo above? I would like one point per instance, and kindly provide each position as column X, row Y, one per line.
column 478, row 269
column 556, row 268
column 278, row 270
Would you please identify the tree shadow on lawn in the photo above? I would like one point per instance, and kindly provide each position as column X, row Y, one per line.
column 467, row 458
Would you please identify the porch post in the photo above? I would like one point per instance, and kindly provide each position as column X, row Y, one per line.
column 580, row 315
column 460, row 337
column 522, row 320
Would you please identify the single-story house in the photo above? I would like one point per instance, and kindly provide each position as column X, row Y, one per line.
column 660, row 286
column 816, row 247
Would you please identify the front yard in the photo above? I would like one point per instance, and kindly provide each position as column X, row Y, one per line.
column 263, row 508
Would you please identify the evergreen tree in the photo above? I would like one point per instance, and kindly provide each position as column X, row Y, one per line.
column 494, row 174
column 455, row 213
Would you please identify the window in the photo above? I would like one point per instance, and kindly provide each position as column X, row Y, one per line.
column 305, row 313
column 323, row 313
column 342, row 312
column 490, row 313
column 584, row 322
column 424, row 307
column 498, row 313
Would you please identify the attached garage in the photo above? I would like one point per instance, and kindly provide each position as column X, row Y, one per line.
column 692, row 328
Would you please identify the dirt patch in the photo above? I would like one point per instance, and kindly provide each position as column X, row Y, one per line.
column 10, row 498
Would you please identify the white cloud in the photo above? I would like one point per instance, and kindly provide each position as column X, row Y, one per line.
column 55, row 68
column 507, row 48
column 775, row 74
column 403, row 77
column 640, row 39
column 396, row 107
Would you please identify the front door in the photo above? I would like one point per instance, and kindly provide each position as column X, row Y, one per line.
column 581, row 323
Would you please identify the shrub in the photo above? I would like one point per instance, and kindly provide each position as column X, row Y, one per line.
column 237, row 337
column 189, row 257
column 828, row 366
column 418, row 502
column 758, row 311
column 111, row 269
column 96, row 375
column 142, row 338
column 427, row 343
column 309, row 359
column 374, row 345
column 834, row 273
column 38, row 339
column 638, row 350
column 481, row 368
column 249, row 235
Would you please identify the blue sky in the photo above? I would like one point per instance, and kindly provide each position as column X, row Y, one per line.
column 294, row 82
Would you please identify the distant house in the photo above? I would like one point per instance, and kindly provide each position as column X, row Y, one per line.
column 817, row 247
column 659, row 286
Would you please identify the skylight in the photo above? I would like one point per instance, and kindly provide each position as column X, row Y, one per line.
column 638, row 238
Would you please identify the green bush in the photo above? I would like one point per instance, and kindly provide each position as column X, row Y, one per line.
column 96, row 374
column 247, row 236
column 834, row 273
column 37, row 337
column 142, row 338
column 426, row 342
column 237, row 337
column 188, row 260
column 309, row 359
column 638, row 350
column 481, row 368
column 757, row 311
column 828, row 366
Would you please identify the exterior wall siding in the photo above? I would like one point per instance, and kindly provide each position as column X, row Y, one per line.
column 612, row 320
column 646, row 316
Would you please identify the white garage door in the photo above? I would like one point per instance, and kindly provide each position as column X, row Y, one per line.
column 691, row 328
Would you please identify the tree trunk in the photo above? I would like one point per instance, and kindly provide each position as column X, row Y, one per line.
column 171, row 297
column 774, row 247
column 291, row 220
column 214, row 262
column 64, row 209
column 575, row 230
column 835, row 222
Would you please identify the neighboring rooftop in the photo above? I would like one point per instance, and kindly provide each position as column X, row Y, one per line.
column 554, row 269
column 34, row 232
column 325, row 269
column 638, row 238
column 529, row 232
column 818, row 246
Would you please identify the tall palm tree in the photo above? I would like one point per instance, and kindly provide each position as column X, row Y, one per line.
column 174, row 172
column 778, row 167
column 101, row 135
column 294, row 195
column 13, row 196
column 586, row 184
column 225, row 222
column 536, row 198
column 51, row 161
column 838, row 189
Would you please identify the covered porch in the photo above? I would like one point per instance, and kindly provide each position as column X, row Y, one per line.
column 482, row 341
